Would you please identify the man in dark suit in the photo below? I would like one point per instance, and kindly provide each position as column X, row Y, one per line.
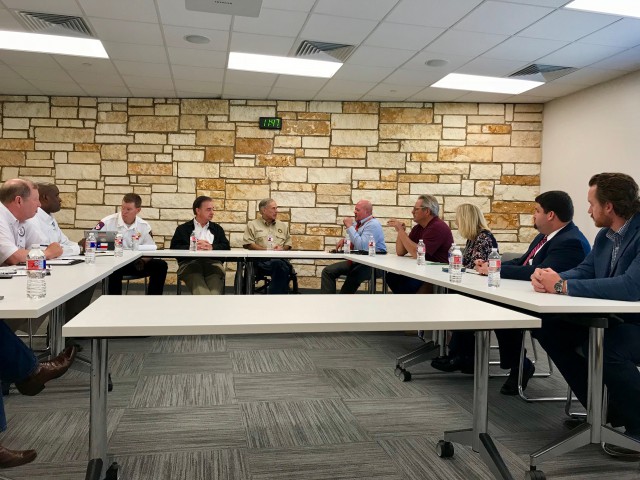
column 611, row 271
column 559, row 245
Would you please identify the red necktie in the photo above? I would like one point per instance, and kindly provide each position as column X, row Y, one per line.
column 535, row 250
column 358, row 225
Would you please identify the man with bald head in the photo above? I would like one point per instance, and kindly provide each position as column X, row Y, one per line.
column 50, row 203
column 359, row 229
column 19, row 201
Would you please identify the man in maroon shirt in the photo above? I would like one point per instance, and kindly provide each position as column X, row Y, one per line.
column 435, row 234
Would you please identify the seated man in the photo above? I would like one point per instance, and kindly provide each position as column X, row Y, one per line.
column 559, row 245
column 435, row 234
column 203, row 276
column 269, row 232
column 610, row 271
column 128, row 223
column 18, row 365
column 365, row 226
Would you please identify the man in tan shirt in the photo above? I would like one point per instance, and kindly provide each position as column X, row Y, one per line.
column 269, row 233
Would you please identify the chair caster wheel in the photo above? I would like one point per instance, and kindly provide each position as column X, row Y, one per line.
column 109, row 384
column 445, row 449
column 113, row 472
column 406, row 376
column 535, row 475
column 398, row 371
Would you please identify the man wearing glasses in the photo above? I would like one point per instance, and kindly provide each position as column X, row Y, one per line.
column 435, row 234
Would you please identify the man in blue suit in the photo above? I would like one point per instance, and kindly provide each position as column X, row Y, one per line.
column 610, row 271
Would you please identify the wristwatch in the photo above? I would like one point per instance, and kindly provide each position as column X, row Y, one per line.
column 558, row 287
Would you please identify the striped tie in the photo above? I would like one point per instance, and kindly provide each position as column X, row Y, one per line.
column 535, row 250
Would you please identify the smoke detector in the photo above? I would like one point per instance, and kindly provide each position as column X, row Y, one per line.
column 243, row 8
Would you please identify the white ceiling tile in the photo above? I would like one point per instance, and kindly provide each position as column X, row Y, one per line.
column 501, row 17
column 127, row 32
column 249, row 78
column 364, row 9
column 293, row 81
column 568, row 25
column 629, row 60
column 189, row 94
column 271, row 22
column 431, row 94
column 299, row 5
column 136, row 11
column 465, row 43
column 555, row 89
column 379, row 57
column 48, row 87
column 525, row 98
column 347, row 86
column 211, row 88
column 579, row 55
column 263, row 44
column 590, row 76
column 327, row 28
column 95, row 78
column 362, row 73
column 126, row 67
column 542, row 3
column 98, row 90
column 378, row 97
column 153, row 92
column 291, row 94
column 134, row 81
column 174, row 37
column 624, row 33
column 18, row 86
column 8, row 22
column 402, row 36
column 421, row 78
column 525, row 49
column 64, row 7
column 7, row 72
column 135, row 52
column 246, row 91
column 81, row 64
column 384, row 90
column 336, row 96
column 197, row 58
column 491, row 67
column 174, row 12
column 43, row 74
column 27, row 59
column 484, row 97
column 200, row 74
column 431, row 12
column 454, row 62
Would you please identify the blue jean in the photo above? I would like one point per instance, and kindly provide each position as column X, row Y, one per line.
column 401, row 284
column 17, row 362
column 279, row 270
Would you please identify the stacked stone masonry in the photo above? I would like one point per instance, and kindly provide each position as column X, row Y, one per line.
column 327, row 156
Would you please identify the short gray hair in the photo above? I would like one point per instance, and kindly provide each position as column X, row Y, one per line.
column 264, row 202
column 430, row 202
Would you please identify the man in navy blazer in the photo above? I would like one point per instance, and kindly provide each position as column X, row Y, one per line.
column 610, row 271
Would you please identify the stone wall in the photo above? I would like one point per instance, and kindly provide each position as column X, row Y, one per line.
column 327, row 156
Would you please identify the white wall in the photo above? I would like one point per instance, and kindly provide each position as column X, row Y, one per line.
column 594, row 130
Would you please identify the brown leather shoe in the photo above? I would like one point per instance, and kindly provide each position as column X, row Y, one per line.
column 47, row 371
column 15, row 458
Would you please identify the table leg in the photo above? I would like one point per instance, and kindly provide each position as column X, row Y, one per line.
column 98, row 399
column 477, row 436
column 56, row 321
column 385, row 288
column 249, row 277
column 239, row 285
column 372, row 281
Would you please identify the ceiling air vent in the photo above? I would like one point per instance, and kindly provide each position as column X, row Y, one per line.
column 56, row 24
column 542, row 73
column 337, row 51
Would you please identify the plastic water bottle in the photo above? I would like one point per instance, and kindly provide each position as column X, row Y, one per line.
column 420, row 253
column 455, row 266
column 372, row 246
column 135, row 241
column 36, row 268
column 270, row 242
column 494, row 268
column 193, row 242
column 117, row 246
column 347, row 245
column 451, row 249
column 90, row 246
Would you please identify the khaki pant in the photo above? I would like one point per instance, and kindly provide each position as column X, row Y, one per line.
column 202, row 276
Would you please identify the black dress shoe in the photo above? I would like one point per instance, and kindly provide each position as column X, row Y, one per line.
column 510, row 387
column 453, row 364
column 47, row 371
column 15, row 458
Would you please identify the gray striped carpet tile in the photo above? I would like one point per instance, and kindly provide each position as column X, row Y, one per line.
column 124, row 345
column 179, row 363
column 189, row 344
column 351, row 358
column 333, row 341
column 125, row 364
column 195, row 390
column 220, row 464
column 390, row 417
column 348, row 461
column 264, row 341
column 289, row 424
column 162, row 430
column 47, row 471
column 271, row 361
column 289, row 386
column 367, row 383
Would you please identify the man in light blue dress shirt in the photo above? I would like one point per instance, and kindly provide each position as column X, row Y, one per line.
column 360, row 229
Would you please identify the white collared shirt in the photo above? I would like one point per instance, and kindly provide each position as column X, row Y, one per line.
column 15, row 235
column 203, row 233
column 115, row 223
column 50, row 230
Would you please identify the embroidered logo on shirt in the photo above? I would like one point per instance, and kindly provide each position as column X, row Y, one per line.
column 21, row 231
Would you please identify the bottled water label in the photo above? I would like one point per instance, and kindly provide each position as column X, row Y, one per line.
column 193, row 242
column 36, row 264
column 118, row 245
column 420, row 253
column 372, row 247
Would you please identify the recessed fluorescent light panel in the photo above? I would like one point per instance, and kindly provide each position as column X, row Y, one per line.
column 282, row 65
column 625, row 8
column 55, row 44
column 477, row 83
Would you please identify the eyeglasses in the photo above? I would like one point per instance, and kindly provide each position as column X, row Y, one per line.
column 415, row 209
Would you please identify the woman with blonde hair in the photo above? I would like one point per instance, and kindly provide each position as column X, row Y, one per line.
column 473, row 227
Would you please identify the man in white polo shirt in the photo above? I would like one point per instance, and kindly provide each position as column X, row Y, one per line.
column 131, row 226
